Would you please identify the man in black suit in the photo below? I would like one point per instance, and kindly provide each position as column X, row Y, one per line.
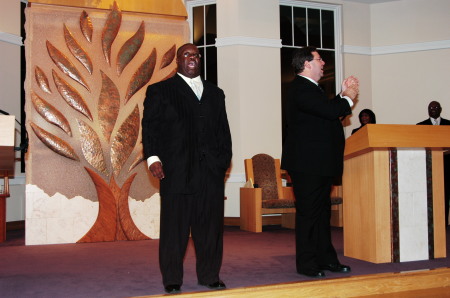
column 434, row 111
column 187, row 144
column 313, row 156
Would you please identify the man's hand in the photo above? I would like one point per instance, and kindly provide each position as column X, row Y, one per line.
column 350, row 87
column 351, row 92
column 157, row 170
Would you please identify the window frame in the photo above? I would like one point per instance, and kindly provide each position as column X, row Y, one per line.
column 337, row 10
column 190, row 4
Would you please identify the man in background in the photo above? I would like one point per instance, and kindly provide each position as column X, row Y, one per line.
column 187, row 144
column 434, row 112
column 313, row 156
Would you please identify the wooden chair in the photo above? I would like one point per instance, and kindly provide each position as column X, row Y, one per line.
column 266, row 195
column 337, row 216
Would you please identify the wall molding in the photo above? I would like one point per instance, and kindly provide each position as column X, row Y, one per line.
column 248, row 41
column 11, row 38
column 396, row 49
column 346, row 49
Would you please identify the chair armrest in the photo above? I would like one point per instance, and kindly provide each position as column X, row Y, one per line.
column 288, row 192
column 253, row 195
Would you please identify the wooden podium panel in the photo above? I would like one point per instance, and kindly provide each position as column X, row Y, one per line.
column 367, row 232
column 371, row 204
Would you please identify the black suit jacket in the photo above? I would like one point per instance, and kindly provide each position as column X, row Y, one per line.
column 181, row 131
column 428, row 122
column 315, row 139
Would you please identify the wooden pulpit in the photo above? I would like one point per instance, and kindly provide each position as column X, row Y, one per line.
column 6, row 166
column 393, row 189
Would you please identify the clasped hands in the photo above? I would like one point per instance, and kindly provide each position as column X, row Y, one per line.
column 350, row 87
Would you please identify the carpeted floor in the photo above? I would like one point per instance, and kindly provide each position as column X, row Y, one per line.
column 130, row 268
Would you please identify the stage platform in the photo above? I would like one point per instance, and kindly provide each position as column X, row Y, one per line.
column 254, row 265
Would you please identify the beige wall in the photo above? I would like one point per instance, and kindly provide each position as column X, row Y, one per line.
column 249, row 72
column 404, row 83
column 400, row 50
column 357, row 16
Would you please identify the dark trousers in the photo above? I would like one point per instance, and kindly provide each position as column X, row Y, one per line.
column 202, row 216
column 312, row 221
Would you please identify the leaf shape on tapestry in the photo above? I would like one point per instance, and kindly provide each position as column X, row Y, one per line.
column 110, row 31
column 76, row 50
column 171, row 74
column 50, row 113
column 91, row 147
column 168, row 57
column 130, row 48
column 142, row 75
column 65, row 65
column 108, row 106
column 54, row 143
column 71, row 96
column 125, row 140
column 138, row 159
column 86, row 26
column 41, row 80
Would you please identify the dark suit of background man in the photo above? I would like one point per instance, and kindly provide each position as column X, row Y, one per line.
column 187, row 144
column 434, row 111
column 313, row 156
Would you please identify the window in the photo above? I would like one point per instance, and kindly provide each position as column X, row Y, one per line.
column 310, row 24
column 203, row 23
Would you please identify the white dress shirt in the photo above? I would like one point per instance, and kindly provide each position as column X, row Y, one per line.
column 436, row 121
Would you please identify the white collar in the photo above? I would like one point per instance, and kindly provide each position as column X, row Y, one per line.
column 197, row 79
column 436, row 121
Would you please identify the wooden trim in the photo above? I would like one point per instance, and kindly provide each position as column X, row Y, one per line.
column 379, row 136
column 403, row 284
column 249, row 170
column 278, row 178
column 438, row 204
column 167, row 7
column 277, row 210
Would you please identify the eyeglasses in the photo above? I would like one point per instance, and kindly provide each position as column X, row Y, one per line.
column 319, row 59
column 189, row 55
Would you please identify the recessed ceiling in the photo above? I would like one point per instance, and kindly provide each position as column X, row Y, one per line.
column 371, row 1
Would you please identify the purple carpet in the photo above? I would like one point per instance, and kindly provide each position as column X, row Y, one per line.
column 130, row 268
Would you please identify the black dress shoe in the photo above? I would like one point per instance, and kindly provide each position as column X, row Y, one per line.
column 312, row 272
column 218, row 285
column 337, row 267
column 172, row 289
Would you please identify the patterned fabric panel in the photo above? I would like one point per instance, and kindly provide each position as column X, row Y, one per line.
column 265, row 178
column 280, row 203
